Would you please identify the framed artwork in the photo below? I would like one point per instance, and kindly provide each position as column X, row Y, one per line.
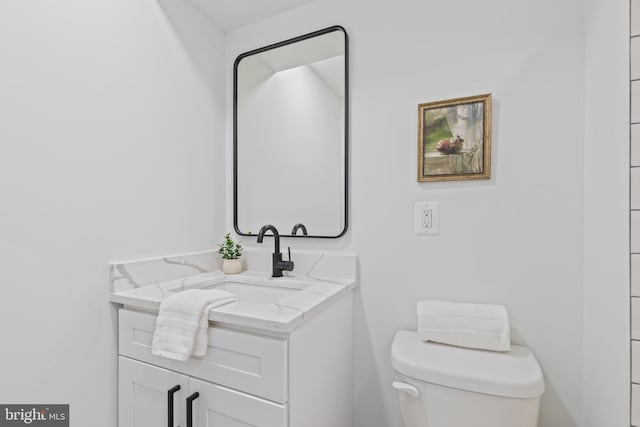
column 454, row 139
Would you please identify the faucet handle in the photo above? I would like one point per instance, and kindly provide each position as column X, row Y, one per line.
column 286, row 265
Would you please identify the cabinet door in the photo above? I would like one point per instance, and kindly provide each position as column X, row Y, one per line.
column 144, row 395
column 218, row 406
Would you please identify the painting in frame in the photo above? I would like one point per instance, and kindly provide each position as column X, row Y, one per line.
column 454, row 139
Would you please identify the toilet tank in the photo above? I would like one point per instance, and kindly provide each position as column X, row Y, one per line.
column 445, row 386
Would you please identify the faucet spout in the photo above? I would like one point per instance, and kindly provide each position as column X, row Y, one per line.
column 278, row 264
column 299, row 226
column 276, row 236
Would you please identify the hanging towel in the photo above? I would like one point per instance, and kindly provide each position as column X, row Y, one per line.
column 183, row 321
column 480, row 326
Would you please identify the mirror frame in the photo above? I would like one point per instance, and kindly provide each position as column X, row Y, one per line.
column 346, row 126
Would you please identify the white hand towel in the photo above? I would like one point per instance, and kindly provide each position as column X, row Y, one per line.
column 480, row 326
column 183, row 321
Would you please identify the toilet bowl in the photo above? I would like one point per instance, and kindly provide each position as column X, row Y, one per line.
column 445, row 386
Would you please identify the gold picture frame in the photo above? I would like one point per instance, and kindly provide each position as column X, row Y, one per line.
column 454, row 139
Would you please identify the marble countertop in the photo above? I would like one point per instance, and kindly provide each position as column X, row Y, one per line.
column 321, row 279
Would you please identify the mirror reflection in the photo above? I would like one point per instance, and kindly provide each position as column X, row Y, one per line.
column 290, row 136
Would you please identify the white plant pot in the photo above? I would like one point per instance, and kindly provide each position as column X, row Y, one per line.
column 231, row 266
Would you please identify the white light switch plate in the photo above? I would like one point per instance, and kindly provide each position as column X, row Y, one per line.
column 427, row 218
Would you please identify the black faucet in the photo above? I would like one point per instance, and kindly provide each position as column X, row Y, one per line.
column 299, row 226
column 278, row 264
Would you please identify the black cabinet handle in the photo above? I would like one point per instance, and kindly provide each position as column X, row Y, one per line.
column 190, row 400
column 170, row 394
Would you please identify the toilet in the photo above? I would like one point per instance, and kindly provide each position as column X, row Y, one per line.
column 444, row 386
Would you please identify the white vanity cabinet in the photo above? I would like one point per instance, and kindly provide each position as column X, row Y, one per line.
column 143, row 394
column 217, row 406
column 302, row 378
column 146, row 399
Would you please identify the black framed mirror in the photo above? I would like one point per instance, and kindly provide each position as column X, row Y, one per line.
column 290, row 136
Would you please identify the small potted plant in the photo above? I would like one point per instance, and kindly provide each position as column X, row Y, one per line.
column 230, row 252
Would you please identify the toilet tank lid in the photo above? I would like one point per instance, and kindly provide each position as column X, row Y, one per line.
column 513, row 374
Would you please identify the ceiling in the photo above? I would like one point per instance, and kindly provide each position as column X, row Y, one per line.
column 324, row 55
column 231, row 14
column 304, row 52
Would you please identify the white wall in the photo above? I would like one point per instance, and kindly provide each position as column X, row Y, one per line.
column 110, row 116
column 516, row 239
column 606, row 219
column 109, row 113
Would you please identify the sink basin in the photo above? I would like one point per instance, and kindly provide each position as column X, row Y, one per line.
column 261, row 294
column 267, row 292
column 277, row 304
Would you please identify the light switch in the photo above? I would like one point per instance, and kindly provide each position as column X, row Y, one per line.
column 427, row 218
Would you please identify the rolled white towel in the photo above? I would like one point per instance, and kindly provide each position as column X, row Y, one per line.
column 480, row 326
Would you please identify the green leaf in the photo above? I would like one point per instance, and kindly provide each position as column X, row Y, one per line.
column 229, row 249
